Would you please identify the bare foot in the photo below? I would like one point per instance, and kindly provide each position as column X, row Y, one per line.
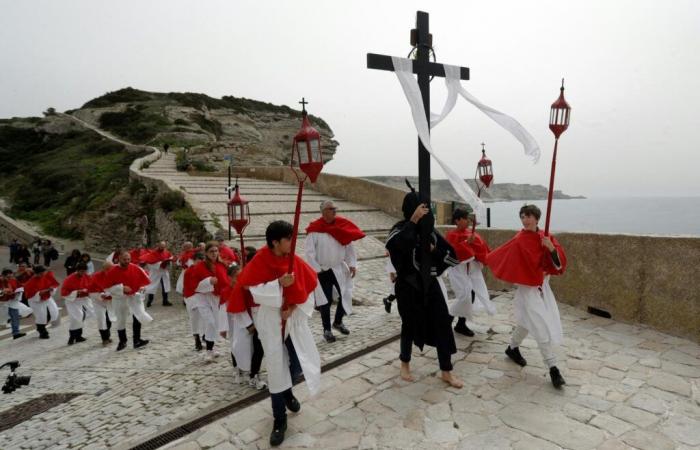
column 406, row 372
column 452, row 380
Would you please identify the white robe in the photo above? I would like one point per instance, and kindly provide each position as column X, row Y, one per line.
column 157, row 273
column 268, row 322
column 102, row 307
column 41, row 307
column 195, row 318
column 323, row 252
column 536, row 310
column 134, row 302
column 207, row 304
column 466, row 277
column 15, row 303
column 180, row 283
column 240, row 337
column 75, row 306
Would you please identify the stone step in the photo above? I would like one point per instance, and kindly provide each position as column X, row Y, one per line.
column 288, row 207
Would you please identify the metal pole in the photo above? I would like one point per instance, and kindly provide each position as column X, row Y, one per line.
column 229, row 197
column 551, row 188
column 242, row 251
column 488, row 217
column 295, row 229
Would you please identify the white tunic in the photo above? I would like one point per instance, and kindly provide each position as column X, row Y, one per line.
column 157, row 273
column 41, row 307
column 134, row 302
column 466, row 277
column 75, row 306
column 240, row 337
column 323, row 252
column 15, row 303
column 207, row 304
column 268, row 322
column 102, row 307
column 536, row 310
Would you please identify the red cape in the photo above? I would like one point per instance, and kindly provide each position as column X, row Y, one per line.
column 36, row 284
column 195, row 274
column 11, row 284
column 22, row 278
column 227, row 254
column 97, row 281
column 74, row 282
column 183, row 257
column 523, row 259
column 477, row 249
column 132, row 276
column 266, row 267
column 154, row 256
column 342, row 229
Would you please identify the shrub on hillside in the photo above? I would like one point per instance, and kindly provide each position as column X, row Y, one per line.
column 170, row 200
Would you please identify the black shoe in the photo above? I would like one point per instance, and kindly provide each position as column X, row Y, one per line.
column 198, row 343
column 122, row 340
column 71, row 338
column 387, row 305
column 328, row 336
column 340, row 327
column 104, row 334
column 149, row 301
column 292, row 403
column 18, row 335
column 141, row 343
column 79, row 335
column 167, row 304
column 557, row 379
column 278, row 429
column 462, row 328
column 43, row 334
column 514, row 354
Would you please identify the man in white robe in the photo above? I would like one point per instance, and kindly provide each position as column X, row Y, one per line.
column 330, row 251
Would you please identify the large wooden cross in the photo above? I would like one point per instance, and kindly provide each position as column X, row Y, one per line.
column 422, row 41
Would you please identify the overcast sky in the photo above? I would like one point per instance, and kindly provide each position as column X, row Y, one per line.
column 632, row 72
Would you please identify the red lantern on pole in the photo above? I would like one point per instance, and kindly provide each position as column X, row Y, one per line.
column 484, row 171
column 239, row 216
column 306, row 162
column 559, row 116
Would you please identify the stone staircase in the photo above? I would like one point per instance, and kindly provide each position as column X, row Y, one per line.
column 269, row 200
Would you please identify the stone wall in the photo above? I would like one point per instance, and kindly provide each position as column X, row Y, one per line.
column 11, row 229
column 638, row 279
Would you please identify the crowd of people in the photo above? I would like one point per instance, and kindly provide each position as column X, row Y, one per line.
column 261, row 300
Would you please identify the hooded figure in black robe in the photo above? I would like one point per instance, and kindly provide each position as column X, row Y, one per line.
column 425, row 319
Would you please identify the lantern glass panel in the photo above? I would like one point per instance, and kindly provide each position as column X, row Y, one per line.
column 303, row 152
column 315, row 150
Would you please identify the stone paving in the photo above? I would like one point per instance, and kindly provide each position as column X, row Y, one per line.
column 627, row 387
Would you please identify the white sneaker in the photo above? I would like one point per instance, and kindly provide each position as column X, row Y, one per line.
column 237, row 376
column 257, row 383
column 209, row 356
column 215, row 353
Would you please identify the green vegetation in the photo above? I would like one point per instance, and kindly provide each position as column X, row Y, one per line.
column 213, row 126
column 126, row 95
column 170, row 200
column 190, row 223
column 134, row 124
column 52, row 179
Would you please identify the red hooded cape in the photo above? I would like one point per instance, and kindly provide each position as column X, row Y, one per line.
column 155, row 256
column 342, row 229
column 195, row 274
column 523, row 259
column 8, row 284
column 266, row 267
column 458, row 240
column 40, row 283
column 132, row 276
column 97, row 282
column 74, row 283
column 185, row 256
column 227, row 254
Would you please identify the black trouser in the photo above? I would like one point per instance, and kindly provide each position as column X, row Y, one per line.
column 257, row 357
column 279, row 409
column 328, row 281
column 406, row 347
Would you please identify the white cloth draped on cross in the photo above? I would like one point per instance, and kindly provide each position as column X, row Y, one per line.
column 404, row 71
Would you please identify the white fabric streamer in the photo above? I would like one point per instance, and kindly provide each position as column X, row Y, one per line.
column 404, row 71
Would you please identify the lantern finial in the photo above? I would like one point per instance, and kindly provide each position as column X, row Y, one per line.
column 303, row 104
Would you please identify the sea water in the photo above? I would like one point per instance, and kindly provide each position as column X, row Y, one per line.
column 666, row 216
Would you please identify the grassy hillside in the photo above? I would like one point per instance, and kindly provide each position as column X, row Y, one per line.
column 52, row 178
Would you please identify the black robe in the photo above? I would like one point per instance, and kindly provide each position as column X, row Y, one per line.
column 424, row 310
